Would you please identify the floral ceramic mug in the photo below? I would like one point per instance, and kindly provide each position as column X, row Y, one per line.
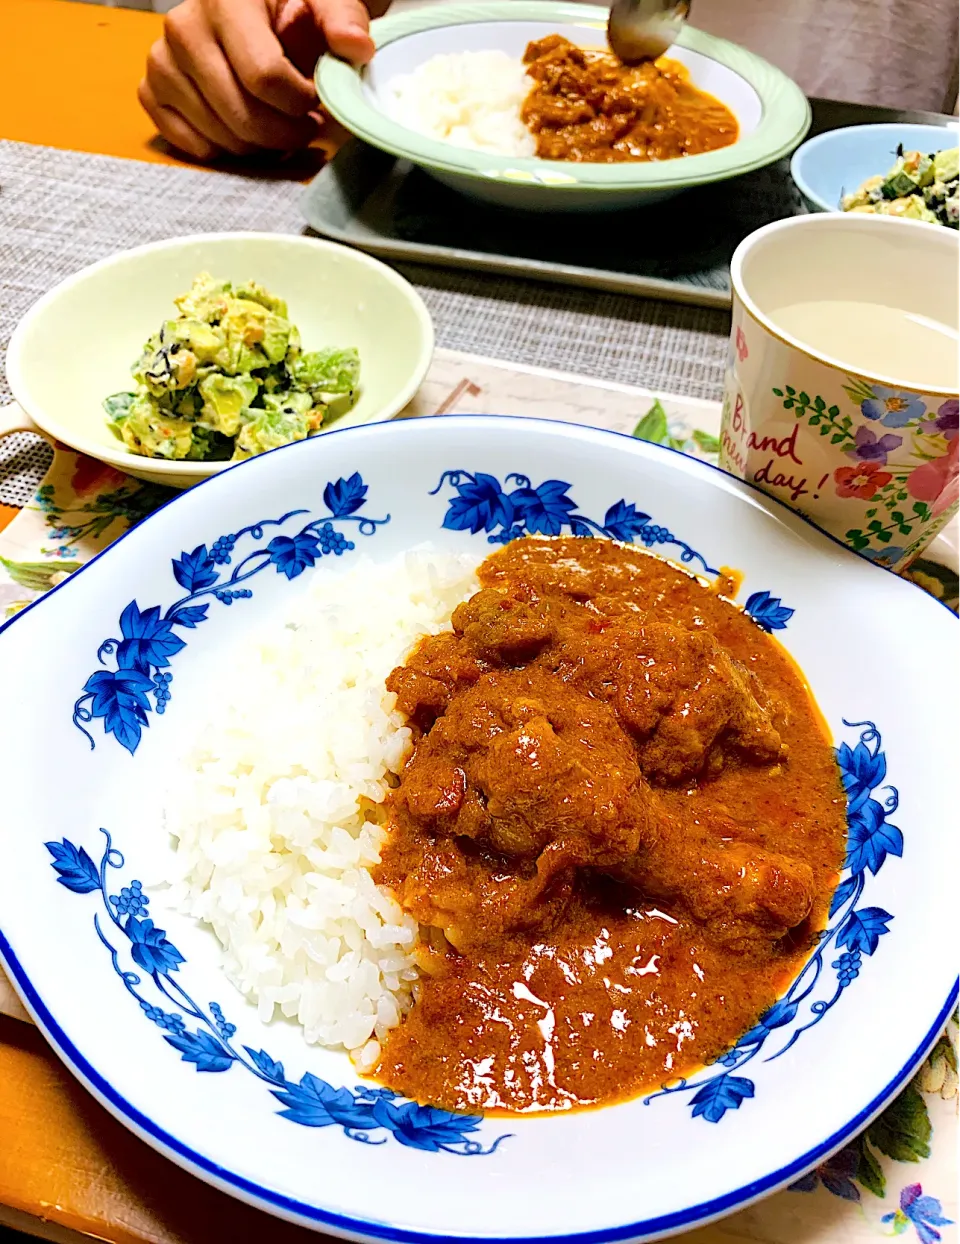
column 841, row 386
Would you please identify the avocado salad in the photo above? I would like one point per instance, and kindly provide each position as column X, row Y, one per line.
column 918, row 187
column 227, row 379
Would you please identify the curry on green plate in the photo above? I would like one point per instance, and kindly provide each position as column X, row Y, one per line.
column 770, row 110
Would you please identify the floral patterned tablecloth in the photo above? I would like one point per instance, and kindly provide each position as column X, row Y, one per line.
column 897, row 1178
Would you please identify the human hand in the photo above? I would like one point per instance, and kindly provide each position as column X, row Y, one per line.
column 233, row 76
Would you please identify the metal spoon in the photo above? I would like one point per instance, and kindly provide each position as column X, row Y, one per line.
column 641, row 30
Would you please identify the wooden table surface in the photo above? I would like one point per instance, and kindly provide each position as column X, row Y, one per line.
column 69, row 74
column 68, row 79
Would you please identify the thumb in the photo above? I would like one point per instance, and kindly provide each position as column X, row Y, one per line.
column 346, row 28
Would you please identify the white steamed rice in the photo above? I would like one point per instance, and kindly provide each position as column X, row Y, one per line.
column 471, row 99
column 271, row 816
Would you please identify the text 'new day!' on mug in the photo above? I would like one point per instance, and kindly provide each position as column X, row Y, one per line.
column 840, row 394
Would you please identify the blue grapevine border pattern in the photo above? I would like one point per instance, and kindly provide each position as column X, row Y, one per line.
column 482, row 504
column 139, row 682
column 204, row 1037
column 853, row 933
column 146, row 645
column 121, row 697
column 769, row 613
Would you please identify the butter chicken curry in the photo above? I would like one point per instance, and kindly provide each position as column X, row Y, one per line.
column 586, row 106
column 620, row 829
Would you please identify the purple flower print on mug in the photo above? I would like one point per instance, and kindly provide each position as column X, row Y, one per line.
column 867, row 447
column 945, row 422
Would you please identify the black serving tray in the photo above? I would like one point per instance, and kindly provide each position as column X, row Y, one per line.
column 678, row 250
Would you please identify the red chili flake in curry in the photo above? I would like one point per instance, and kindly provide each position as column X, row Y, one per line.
column 586, row 106
column 620, row 828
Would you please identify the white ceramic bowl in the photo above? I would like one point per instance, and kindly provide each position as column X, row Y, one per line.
column 77, row 344
column 880, row 655
column 772, row 111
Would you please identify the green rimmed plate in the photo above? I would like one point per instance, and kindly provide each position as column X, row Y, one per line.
column 773, row 113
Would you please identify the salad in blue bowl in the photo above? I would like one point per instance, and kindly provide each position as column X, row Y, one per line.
column 910, row 171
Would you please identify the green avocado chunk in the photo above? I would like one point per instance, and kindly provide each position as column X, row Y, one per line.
column 250, row 291
column 228, row 376
column 206, row 299
column 225, row 401
column 330, row 373
column 946, row 164
column 269, row 430
column 118, row 406
column 149, row 431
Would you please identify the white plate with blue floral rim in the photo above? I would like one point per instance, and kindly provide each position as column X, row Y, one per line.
column 139, row 1009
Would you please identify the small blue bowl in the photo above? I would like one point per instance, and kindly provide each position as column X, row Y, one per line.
column 833, row 164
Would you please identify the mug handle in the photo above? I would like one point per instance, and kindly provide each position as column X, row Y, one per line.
column 13, row 418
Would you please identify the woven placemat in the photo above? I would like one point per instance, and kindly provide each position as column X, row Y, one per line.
column 24, row 461
column 61, row 210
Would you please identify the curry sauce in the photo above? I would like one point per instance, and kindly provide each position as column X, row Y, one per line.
column 587, row 107
column 619, row 829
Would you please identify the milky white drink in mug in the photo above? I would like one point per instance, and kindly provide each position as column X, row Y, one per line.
column 876, row 338
column 842, row 377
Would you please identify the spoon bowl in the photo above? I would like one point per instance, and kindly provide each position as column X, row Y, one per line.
column 642, row 30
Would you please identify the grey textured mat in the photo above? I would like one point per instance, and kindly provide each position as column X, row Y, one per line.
column 62, row 210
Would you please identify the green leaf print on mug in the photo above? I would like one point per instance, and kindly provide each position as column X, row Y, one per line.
column 909, row 492
column 819, row 415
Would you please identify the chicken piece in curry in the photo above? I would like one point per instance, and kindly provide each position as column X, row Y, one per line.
column 620, row 828
column 586, row 106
